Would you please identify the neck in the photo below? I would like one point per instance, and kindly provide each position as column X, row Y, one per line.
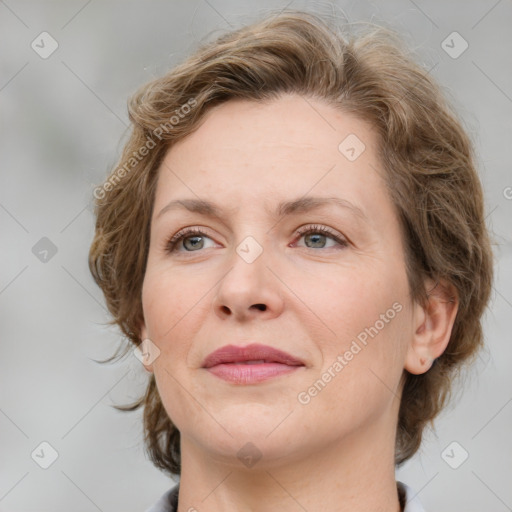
column 352, row 475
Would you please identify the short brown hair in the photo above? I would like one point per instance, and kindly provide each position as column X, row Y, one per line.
column 426, row 153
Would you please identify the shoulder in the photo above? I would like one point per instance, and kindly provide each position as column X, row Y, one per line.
column 167, row 503
column 412, row 503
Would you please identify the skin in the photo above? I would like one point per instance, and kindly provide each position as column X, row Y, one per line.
column 337, row 451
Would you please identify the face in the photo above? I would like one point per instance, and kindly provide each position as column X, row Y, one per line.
column 322, row 280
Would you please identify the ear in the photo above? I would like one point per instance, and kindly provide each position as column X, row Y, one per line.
column 432, row 326
column 147, row 349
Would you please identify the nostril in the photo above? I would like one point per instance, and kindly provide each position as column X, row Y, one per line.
column 261, row 307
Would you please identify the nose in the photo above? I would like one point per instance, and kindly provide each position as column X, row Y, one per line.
column 249, row 290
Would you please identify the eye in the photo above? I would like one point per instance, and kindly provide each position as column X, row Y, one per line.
column 317, row 235
column 193, row 238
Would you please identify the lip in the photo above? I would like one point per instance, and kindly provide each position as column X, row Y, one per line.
column 228, row 363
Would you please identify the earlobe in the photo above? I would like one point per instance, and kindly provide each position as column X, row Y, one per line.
column 145, row 350
column 432, row 326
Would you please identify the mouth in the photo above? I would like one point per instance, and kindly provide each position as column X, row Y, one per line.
column 259, row 361
column 250, row 364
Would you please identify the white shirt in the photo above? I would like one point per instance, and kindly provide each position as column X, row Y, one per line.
column 168, row 502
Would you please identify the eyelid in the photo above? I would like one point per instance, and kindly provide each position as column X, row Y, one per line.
column 170, row 243
column 173, row 241
column 329, row 232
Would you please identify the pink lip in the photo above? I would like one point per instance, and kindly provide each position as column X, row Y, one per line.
column 228, row 363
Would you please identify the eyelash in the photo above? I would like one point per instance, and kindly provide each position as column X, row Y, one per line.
column 315, row 228
column 173, row 241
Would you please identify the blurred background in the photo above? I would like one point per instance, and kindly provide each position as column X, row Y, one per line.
column 66, row 71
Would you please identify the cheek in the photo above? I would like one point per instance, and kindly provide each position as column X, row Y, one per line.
column 167, row 299
column 361, row 371
column 171, row 310
column 348, row 300
column 176, row 307
column 366, row 320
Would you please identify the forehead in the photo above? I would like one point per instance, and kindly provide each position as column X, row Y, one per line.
column 248, row 153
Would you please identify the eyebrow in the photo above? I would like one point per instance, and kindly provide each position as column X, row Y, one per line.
column 295, row 206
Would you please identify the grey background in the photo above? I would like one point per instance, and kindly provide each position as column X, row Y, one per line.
column 62, row 122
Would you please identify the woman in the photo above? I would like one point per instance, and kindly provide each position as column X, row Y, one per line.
column 295, row 241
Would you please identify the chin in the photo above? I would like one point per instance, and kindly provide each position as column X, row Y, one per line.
column 248, row 452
